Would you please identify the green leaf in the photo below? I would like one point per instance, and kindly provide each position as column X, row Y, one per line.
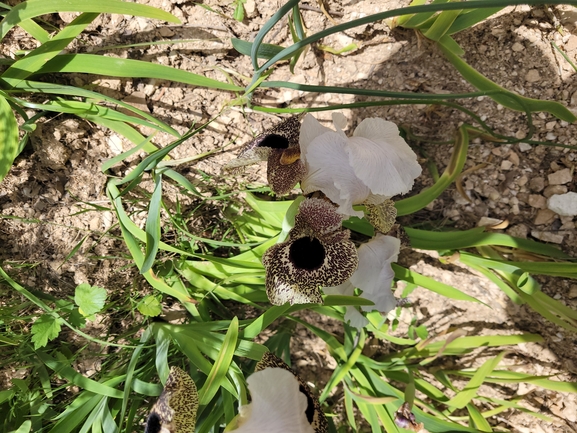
column 24, row 428
column 45, row 328
column 129, row 68
column 153, row 225
column 505, row 98
column 442, row 23
column 149, row 306
column 9, row 134
column 90, row 299
column 221, row 364
column 34, row 8
column 463, row 397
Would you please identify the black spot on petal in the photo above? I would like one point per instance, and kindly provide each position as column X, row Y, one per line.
column 274, row 141
column 307, row 253
column 153, row 423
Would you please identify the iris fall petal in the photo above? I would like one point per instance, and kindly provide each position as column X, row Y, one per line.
column 317, row 253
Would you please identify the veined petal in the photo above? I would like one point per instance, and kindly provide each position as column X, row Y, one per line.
column 328, row 170
column 277, row 405
column 382, row 159
column 314, row 412
column 310, row 129
column 374, row 274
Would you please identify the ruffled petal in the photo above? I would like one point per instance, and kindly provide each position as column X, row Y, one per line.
column 314, row 412
column 374, row 274
column 328, row 170
column 277, row 405
column 310, row 129
column 382, row 159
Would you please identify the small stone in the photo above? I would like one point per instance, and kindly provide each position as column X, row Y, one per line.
column 533, row 76
column 537, row 201
column 547, row 236
column 506, row 165
column 544, row 217
column 563, row 204
column 554, row 189
column 560, row 177
column 537, row 184
column 554, row 166
column 551, row 125
column 573, row 291
column 522, row 181
column 514, row 158
column 525, row 147
column 518, row 231
column 517, row 47
column 165, row 32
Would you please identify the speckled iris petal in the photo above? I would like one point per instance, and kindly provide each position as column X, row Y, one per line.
column 382, row 216
column 283, row 135
column 283, row 177
column 318, row 252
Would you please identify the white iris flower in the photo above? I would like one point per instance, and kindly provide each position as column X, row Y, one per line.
column 371, row 166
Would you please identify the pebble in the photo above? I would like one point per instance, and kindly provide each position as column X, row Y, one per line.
column 560, row 177
column 525, row 147
column 518, row 231
column 537, row 201
column 514, row 158
column 547, row 236
column 533, row 76
column 537, row 184
column 522, row 181
column 544, row 217
column 506, row 165
column 563, row 204
column 573, row 291
column 517, row 47
column 554, row 189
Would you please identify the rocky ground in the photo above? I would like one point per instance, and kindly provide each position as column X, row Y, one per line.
column 58, row 175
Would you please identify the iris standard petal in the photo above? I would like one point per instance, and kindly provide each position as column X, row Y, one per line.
column 277, row 405
column 328, row 170
column 374, row 274
column 382, row 159
column 310, row 129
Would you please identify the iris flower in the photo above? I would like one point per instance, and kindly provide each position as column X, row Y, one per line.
column 279, row 146
column 371, row 166
column 281, row 402
column 374, row 276
column 317, row 252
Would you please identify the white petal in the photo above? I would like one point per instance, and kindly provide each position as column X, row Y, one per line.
column 277, row 404
column 345, row 289
column 339, row 120
column 374, row 274
column 310, row 129
column 382, row 159
column 328, row 170
column 355, row 319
